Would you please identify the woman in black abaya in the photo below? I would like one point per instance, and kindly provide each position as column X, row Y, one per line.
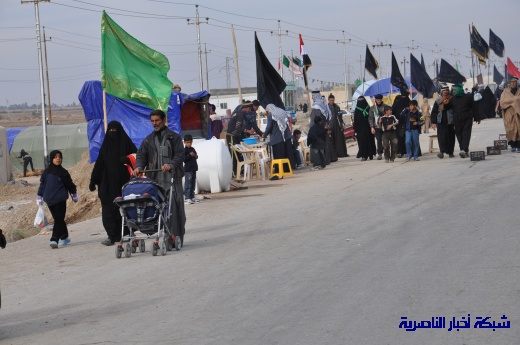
column 364, row 137
column 110, row 174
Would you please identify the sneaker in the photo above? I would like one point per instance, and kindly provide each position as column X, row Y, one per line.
column 364, row 159
column 53, row 244
column 400, row 156
column 188, row 202
column 462, row 154
column 440, row 155
column 408, row 159
column 392, row 160
column 65, row 242
column 195, row 201
column 379, row 157
column 107, row 242
column 451, row 155
column 416, row 159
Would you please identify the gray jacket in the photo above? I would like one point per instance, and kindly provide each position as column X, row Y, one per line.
column 374, row 113
column 153, row 153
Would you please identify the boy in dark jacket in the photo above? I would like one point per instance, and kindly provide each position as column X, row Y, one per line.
column 411, row 122
column 55, row 187
column 190, row 170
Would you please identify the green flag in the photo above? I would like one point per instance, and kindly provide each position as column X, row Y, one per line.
column 131, row 70
column 285, row 61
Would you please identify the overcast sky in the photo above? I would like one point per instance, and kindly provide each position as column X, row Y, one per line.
column 437, row 28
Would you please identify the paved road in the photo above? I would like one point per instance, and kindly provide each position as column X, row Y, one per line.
column 328, row 257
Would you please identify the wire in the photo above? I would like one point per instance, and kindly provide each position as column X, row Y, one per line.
column 50, row 69
column 130, row 11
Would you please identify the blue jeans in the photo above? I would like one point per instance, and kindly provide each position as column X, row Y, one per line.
column 190, row 178
column 412, row 143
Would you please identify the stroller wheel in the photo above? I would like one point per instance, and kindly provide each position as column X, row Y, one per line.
column 128, row 250
column 155, row 248
column 163, row 246
column 178, row 243
column 142, row 247
column 119, row 251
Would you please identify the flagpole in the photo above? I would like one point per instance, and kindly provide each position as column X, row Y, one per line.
column 363, row 81
column 472, row 58
column 105, row 116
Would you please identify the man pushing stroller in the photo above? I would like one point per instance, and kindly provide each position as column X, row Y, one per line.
column 163, row 150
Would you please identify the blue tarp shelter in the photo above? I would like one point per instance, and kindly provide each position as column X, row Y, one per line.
column 134, row 117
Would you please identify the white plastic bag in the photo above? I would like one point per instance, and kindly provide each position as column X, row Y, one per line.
column 40, row 221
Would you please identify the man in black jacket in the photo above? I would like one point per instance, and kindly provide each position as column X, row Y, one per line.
column 163, row 149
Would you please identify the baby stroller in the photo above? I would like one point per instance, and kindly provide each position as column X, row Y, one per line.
column 146, row 211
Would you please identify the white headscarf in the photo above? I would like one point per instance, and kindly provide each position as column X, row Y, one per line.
column 319, row 103
column 280, row 116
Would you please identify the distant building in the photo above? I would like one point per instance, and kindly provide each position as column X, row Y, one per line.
column 225, row 99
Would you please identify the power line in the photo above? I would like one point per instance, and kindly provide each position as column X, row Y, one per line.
column 130, row 11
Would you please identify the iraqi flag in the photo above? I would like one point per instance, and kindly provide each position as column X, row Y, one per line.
column 306, row 59
column 512, row 70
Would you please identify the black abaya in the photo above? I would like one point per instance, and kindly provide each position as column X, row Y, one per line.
column 364, row 136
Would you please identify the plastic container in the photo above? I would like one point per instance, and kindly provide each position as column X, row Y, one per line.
column 215, row 165
column 250, row 141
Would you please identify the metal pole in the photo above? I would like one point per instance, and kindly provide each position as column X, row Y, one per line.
column 47, row 77
column 207, row 71
column 197, row 24
column 228, row 76
column 40, row 65
column 346, row 67
column 280, row 56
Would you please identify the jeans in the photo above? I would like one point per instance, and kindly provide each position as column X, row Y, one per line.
column 412, row 143
column 297, row 157
column 190, row 178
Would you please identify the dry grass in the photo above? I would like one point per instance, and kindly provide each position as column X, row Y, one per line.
column 18, row 206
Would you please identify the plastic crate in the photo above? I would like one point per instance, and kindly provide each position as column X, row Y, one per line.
column 477, row 156
column 491, row 150
column 502, row 137
column 500, row 144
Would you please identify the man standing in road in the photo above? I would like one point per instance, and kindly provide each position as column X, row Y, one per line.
column 375, row 112
column 163, row 149
column 510, row 103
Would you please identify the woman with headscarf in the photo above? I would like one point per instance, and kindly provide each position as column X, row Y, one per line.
column 110, row 174
column 364, row 136
column 280, row 135
column 55, row 187
column 319, row 108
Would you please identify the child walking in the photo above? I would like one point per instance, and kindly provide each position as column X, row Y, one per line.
column 55, row 187
column 190, row 170
column 388, row 124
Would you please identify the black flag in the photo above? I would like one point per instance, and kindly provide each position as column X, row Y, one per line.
column 497, row 76
column 448, row 74
column 420, row 79
column 371, row 64
column 478, row 45
column 396, row 78
column 269, row 84
column 422, row 63
column 496, row 44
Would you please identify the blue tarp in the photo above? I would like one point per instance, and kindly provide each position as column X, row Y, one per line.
column 11, row 135
column 133, row 116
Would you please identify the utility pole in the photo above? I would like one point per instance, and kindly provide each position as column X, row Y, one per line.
column 40, row 64
column 199, row 50
column 228, row 73
column 237, row 69
column 435, row 53
column 404, row 62
column 378, row 46
column 411, row 48
column 344, row 42
column 206, row 51
column 47, row 77
column 280, row 55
